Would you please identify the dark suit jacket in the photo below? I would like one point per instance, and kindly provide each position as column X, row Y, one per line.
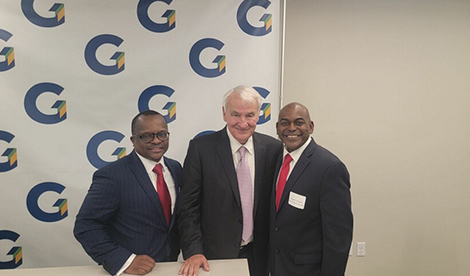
column 210, row 214
column 314, row 240
column 122, row 214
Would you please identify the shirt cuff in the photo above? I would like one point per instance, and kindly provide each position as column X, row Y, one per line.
column 126, row 265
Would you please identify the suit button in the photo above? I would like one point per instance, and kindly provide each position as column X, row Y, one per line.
column 277, row 250
column 276, row 228
column 240, row 221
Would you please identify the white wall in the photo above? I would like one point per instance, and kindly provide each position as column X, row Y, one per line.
column 388, row 86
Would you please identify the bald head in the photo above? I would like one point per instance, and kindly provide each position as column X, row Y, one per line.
column 295, row 107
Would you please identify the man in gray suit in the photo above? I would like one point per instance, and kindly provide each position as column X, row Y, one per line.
column 223, row 215
column 126, row 222
column 311, row 219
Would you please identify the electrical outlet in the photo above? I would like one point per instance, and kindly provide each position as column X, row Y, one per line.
column 361, row 249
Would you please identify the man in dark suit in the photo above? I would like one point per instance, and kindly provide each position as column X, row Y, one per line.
column 311, row 219
column 126, row 222
column 223, row 215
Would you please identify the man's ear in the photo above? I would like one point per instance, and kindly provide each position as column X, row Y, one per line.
column 223, row 113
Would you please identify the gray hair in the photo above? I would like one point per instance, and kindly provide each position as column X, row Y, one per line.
column 247, row 93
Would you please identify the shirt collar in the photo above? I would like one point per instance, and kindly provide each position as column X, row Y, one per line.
column 150, row 164
column 235, row 145
column 298, row 152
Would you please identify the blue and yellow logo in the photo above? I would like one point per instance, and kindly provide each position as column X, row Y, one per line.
column 7, row 52
column 265, row 111
column 10, row 153
column 194, row 58
column 96, row 141
column 32, row 110
column 15, row 251
column 33, row 199
column 59, row 14
column 148, row 94
column 144, row 19
column 92, row 61
column 267, row 20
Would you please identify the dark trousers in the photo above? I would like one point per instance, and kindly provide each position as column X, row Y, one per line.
column 247, row 252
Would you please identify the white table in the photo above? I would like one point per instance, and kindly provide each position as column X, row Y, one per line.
column 235, row 267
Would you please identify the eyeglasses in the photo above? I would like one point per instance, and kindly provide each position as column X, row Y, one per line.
column 149, row 137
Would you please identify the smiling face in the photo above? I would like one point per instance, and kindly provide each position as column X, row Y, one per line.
column 241, row 117
column 155, row 149
column 294, row 126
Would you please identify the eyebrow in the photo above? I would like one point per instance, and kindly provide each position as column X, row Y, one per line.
column 296, row 119
column 236, row 112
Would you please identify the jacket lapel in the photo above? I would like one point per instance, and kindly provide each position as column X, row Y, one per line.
column 176, row 180
column 260, row 156
column 226, row 159
column 300, row 166
column 142, row 177
column 275, row 178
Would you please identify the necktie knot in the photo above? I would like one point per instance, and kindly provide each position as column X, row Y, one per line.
column 158, row 169
column 287, row 159
column 242, row 151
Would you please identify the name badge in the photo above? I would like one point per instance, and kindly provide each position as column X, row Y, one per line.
column 297, row 201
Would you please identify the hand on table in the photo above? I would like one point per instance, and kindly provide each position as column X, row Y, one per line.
column 191, row 266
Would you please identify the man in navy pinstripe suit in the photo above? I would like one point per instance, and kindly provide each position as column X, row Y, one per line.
column 121, row 224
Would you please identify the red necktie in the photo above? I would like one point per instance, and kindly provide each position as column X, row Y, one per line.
column 282, row 179
column 163, row 193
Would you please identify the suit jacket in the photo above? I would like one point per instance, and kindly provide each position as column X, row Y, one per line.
column 313, row 239
column 122, row 214
column 209, row 210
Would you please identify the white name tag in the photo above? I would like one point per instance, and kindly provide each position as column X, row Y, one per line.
column 297, row 201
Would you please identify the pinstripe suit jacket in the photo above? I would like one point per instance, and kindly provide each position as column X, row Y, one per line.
column 122, row 214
